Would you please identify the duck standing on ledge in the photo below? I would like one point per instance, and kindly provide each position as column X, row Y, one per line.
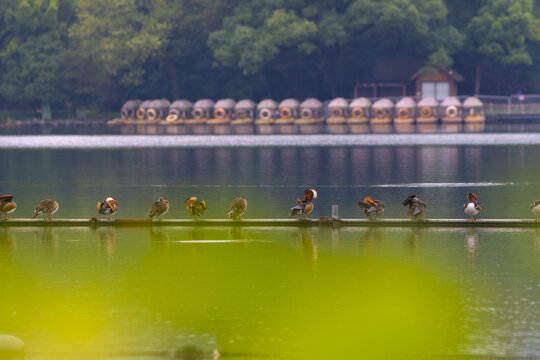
column 7, row 206
column 158, row 208
column 304, row 207
column 535, row 208
column 108, row 207
column 237, row 209
column 195, row 207
column 472, row 207
column 417, row 208
column 46, row 207
column 372, row 208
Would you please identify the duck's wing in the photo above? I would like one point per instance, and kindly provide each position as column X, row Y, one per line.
column 363, row 205
column 153, row 211
column 297, row 209
column 479, row 206
column 419, row 207
column 308, row 208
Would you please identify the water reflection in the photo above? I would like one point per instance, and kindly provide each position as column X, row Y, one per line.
column 7, row 241
column 472, row 244
column 47, row 236
column 107, row 240
column 239, row 284
column 306, row 243
column 415, row 239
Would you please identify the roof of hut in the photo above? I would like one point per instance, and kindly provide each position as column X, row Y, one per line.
column 383, row 103
column 311, row 103
column 361, row 102
column 450, row 72
column 225, row 104
column 428, row 101
column 289, row 103
column 245, row 104
column 146, row 104
column 131, row 104
column 267, row 104
column 471, row 102
column 159, row 104
column 181, row 104
column 338, row 103
column 204, row 104
column 451, row 100
column 406, row 102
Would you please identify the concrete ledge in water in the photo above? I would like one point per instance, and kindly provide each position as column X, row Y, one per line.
column 271, row 222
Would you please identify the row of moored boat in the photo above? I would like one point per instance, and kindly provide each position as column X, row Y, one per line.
column 311, row 111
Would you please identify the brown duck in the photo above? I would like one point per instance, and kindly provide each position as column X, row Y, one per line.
column 237, row 208
column 158, row 208
column 46, row 207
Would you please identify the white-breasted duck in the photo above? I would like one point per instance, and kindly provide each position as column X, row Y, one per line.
column 473, row 206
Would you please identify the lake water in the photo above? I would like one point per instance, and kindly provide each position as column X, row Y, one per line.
column 254, row 293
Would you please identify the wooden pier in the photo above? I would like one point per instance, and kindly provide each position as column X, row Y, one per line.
column 323, row 222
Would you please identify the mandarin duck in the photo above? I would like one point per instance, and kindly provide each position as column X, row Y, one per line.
column 417, row 208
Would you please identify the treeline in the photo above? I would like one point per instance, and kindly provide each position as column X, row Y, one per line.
column 99, row 53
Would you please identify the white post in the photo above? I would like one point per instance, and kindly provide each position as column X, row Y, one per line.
column 335, row 209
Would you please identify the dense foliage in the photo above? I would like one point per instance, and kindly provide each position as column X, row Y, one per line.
column 102, row 52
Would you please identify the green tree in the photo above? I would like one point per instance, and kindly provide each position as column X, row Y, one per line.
column 332, row 33
column 33, row 35
column 130, row 37
column 499, row 34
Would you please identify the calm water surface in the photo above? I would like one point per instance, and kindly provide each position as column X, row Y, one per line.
column 258, row 293
column 271, row 178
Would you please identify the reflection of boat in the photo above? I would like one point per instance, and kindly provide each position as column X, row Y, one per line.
column 450, row 110
column 359, row 111
column 474, row 127
column 359, row 128
column 474, row 110
column 381, row 128
column 382, row 112
column 426, row 128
